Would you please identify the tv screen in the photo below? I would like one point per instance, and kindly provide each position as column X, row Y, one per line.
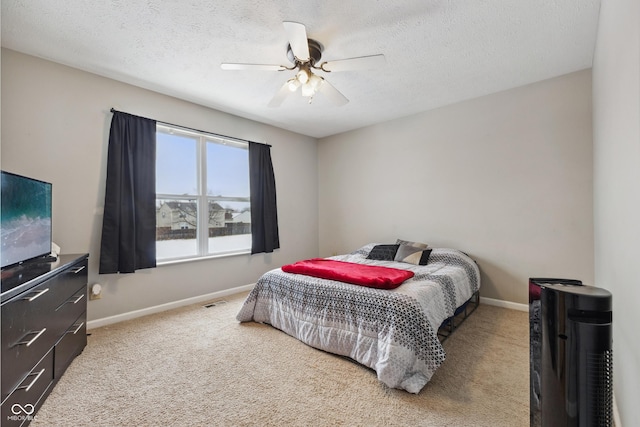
column 25, row 219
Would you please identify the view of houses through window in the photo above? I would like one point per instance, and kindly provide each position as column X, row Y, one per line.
column 202, row 195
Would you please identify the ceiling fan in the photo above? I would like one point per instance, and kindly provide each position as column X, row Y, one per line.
column 305, row 55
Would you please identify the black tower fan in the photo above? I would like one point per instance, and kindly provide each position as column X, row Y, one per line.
column 576, row 358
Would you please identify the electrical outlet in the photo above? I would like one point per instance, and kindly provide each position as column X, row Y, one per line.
column 95, row 291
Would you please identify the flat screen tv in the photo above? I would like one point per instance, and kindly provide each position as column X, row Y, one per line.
column 25, row 219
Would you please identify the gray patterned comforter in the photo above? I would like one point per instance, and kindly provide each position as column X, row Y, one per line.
column 394, row 332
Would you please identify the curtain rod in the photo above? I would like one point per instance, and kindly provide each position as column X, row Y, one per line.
column 113, row 110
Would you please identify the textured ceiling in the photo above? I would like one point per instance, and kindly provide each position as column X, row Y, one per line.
column 437, row 52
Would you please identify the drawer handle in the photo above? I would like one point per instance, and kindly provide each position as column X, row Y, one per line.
column 32, row 340
column 69, row 301
column 37, row 295
column 77, row 270
column 77, row 329
column 27, row 388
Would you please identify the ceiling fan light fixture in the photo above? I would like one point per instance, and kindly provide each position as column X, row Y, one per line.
column 303, row 76
column 293, row 84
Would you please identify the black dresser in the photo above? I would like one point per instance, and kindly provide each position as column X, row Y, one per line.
column 44, row 312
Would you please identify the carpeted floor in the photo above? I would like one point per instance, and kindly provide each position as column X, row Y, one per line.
column 198, row 366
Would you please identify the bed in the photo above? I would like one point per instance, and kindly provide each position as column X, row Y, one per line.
column 392, row 331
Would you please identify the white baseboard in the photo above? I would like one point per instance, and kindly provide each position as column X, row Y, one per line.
column 505, row 304
column 164, row 307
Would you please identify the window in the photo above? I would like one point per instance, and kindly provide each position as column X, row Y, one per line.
column 202, row 195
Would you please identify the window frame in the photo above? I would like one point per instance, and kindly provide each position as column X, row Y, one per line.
column 201, row 198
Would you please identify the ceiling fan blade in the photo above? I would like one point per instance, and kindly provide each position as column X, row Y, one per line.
column 297, row 35
column 334, row 95
column 280, row 96
column 359, row 63
column 264, row 67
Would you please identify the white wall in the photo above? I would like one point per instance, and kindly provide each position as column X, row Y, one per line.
column 616, row 120
column 55, row 125
column 506, row 178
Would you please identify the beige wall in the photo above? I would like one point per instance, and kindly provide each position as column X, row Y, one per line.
column 55, row 124
column 506, row 178
column 616, row 136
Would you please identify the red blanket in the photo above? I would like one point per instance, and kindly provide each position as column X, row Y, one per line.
column 349, row 272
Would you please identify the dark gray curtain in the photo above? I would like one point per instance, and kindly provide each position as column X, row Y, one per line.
column 264, row 214
column 129, row 224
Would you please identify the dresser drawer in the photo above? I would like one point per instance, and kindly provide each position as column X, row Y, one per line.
column 69, row 281
column 21, row 405
column 71, row 345
column 27, row 311
column 64, row 316
column 26, row 334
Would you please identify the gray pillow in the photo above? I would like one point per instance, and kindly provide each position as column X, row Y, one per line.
column 412, row 255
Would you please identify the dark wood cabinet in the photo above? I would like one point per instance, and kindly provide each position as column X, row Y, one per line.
column 44, row 311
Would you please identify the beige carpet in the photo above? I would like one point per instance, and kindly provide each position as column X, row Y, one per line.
column 198, row 366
